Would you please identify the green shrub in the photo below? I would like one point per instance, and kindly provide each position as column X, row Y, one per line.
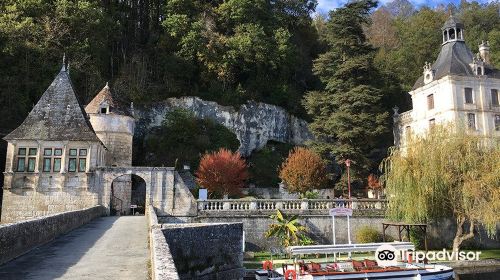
column 417, row 238
column 264, row 164
column 367, row 234
column 310, row 195
column 181, row 139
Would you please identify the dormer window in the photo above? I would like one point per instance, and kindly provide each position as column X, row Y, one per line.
column 104, row 108
column 428, row 73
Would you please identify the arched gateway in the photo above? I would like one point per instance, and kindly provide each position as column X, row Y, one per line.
column 165, row 189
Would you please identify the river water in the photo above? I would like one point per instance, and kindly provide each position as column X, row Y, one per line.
column 490, row 273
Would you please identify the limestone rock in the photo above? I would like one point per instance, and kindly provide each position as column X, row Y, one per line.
column 253, row 124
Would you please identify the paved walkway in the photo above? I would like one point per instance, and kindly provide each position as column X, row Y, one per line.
column 106, row 248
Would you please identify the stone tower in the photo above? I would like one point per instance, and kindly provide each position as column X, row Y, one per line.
column 50, row 157
column 114, row 124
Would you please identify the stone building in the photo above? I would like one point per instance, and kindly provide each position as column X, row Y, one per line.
column 459, row 87
column 64, row 158
column 114, row 124
column 50, row 155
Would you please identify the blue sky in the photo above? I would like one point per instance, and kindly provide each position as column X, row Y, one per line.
column 326, row 5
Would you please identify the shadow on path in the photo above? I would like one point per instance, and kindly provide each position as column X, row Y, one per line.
column 51, row 260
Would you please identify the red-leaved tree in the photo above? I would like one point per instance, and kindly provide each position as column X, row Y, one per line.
column 222, row 172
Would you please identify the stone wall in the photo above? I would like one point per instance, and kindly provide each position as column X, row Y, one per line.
column 440, row 234
column 18, row 238
column 206, row 251
column 253, row 124
column 162, row 263
column 28, row 203
column 319, row 227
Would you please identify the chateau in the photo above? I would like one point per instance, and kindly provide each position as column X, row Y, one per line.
column 459, row 87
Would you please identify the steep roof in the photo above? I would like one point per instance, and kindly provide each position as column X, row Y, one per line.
column 452, row 22
column 115, row 105
column 57, row 116
column 454, row 59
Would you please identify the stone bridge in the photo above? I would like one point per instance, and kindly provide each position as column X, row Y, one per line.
column 165, row 189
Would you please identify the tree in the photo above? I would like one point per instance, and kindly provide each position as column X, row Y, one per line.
column 222, row 172
column 303, row 170
column 459, row 179
column 287, row 229
column 181, row 139
column 348, row 114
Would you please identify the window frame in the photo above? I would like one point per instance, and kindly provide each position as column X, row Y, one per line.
column 432, row 123
column 19, row 159
column 44, row 165
column 495, row 97
column 471, row 121
column 430, row 102
column 31, row 166
column 78, row 156
column 70, row 160
column 466, row 92
column 496, row 122
column 54, row 165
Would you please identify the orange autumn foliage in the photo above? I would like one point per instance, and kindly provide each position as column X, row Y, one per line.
column 373, row 182
column 303, row 170
column 222, row 172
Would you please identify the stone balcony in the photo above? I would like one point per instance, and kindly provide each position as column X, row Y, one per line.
column 405, row 118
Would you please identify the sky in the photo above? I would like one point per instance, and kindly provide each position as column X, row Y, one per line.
column 325, row 5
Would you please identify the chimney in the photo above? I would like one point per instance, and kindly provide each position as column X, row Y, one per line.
column 484, row 51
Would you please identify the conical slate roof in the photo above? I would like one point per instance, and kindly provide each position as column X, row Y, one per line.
column 115, row 106
column 57, row 116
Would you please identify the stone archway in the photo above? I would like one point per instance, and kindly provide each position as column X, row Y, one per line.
column 138, row 194
column 165, row 189
column 127, row 190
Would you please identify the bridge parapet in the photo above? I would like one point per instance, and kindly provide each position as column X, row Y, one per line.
column 361, row 207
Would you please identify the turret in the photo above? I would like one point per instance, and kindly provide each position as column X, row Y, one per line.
column 484, row 52
column 453, row 30
column 114, row 124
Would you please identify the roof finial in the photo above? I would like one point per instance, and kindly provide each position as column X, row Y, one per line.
column 107, row 85
column 64, row 63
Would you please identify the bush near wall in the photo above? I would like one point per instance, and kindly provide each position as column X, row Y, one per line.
column 182, row 139
column 367, row 234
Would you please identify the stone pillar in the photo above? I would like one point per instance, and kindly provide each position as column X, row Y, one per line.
column 63, row 158
column 38, row 157
column 11, row 157
column 87, row 167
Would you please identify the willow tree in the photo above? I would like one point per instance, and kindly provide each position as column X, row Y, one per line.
column 448, row 173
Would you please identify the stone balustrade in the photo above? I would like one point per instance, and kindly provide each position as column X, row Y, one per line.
column 316, row 206
column 405, row 118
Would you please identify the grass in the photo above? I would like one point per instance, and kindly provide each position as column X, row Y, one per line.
column 259, row 257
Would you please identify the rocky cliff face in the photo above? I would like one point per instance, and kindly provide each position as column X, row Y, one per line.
column 253, row 124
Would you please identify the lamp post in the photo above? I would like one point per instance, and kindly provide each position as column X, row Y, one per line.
column 348, row 164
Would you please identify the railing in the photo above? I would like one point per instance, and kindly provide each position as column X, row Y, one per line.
column 405, row 117
column 289, row 205
column 117, row 205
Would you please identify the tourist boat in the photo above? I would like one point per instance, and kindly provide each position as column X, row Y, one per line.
column 352, row 269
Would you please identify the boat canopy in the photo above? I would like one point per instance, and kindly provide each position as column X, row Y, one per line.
column 347, row 248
